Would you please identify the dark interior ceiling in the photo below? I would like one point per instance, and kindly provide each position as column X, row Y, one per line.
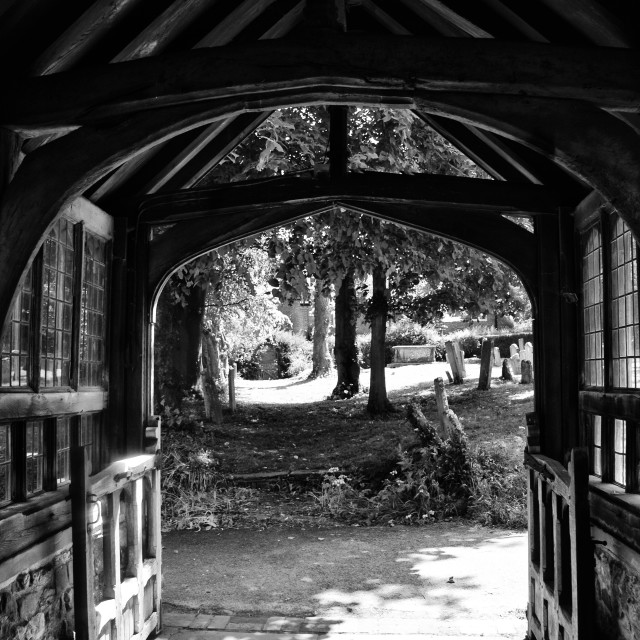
column 43, row 37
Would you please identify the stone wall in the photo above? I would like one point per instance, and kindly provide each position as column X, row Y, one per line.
column 38, row 604
column 617, row 598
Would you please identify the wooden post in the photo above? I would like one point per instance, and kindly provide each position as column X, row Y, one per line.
column 83, row 599
column 232, row 387
column 456, row 361
column 484, row 382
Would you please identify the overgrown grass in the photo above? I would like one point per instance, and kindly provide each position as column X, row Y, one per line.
column 382, row 474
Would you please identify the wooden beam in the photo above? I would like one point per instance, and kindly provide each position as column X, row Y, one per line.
column 497, row 236
column 440, row 191
column 461, row 136
column 155, row 38
column 285, row 23
column 435, row 20
column 407, row 67
column 197, row 167
column 384, row 18
column 179, row 160
column 513, row 19
column 456, row 19
column 594, row 21
column 238, row 20
column 82, row 35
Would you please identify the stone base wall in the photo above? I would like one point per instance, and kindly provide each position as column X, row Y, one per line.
column 38, row 604
column 617, row 595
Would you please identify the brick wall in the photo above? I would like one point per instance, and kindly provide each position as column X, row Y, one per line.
column 617, row 598
column 38, row 604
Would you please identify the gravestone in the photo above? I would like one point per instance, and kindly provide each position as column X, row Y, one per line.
column 515, row 363
column 527, row 372
column 507, row 370
column 496, row 357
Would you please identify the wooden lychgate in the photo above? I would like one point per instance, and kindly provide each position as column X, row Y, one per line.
column 116, row 546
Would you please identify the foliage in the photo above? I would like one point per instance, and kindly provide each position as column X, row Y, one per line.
column 499, row 488
column 292, row 356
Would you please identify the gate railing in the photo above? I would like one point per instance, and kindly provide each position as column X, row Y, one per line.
column 560, row 553
column 116, row 545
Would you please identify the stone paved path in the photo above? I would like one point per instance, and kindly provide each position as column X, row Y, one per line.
column 190, row 626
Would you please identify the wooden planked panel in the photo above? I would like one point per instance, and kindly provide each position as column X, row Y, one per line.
column 31, row 524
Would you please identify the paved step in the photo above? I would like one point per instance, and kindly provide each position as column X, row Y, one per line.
column 190, row 626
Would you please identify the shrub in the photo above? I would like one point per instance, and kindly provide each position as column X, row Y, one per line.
column 499, row 493
column 293, row 355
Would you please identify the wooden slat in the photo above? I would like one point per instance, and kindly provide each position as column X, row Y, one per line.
column 112, row 557
column 513, row 19
column 134, row 523
column 435, row 20
column 82, row 35
column 240, row 18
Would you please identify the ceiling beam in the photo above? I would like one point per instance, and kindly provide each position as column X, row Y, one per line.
column 407, row 67
column 489, row 196
column 286, row 22
column 384, row 18
column 454, row 18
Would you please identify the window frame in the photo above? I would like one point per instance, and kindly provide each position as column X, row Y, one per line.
column 22, row 405
column 611, row 403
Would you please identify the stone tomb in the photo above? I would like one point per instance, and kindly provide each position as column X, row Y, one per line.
column 413, row 354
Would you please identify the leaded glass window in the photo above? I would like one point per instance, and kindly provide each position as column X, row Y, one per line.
column 625, row 341
column 592, row 309
column 16, row 339
column 35, row 457
column 63, row 446
column 92, row 322
column 6, row 488
column 620, row 452
column 57, row 306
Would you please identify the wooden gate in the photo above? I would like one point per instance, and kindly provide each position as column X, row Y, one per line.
column 116, row 546
column 560, row 549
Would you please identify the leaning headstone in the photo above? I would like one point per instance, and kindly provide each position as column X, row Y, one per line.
column 507, row 371
column 484, row 380
column 513, row 349
column 527, row 372
column 496, row 357
column 455, row 358
column 515, row 363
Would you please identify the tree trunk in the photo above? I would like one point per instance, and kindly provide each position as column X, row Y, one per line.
column 378, row 401
column 322, row 363
column 215, row 364
column 177, row 344
column 346, row 349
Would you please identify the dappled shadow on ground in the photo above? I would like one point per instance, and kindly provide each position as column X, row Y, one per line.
column 451, row 578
